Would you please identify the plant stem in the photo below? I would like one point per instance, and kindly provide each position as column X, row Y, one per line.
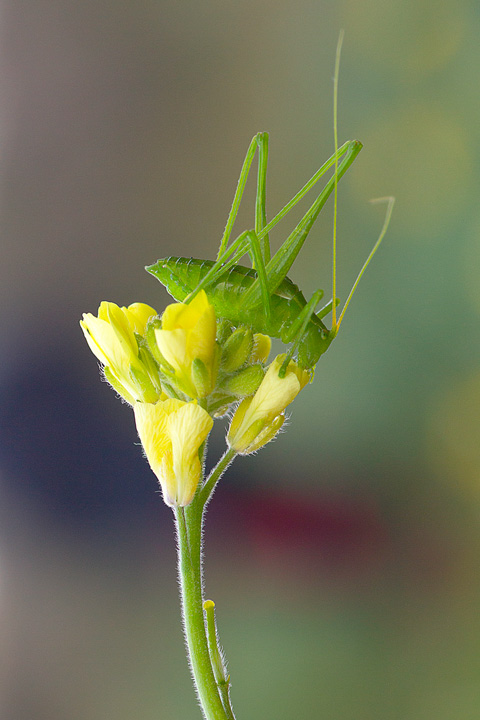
column 189, row 533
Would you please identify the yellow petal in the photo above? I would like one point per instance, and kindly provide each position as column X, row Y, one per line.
column 171, row 433
column 188, row 334
column 111, row 338
column 151, row 421
column 201, row 340
column 122, row 328
column 103, row 340
column 138, row 315
column 274, row 393
column 264, row 409
column 262, row 344
column 188, row 428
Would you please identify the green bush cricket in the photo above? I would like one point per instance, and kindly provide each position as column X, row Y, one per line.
column 263, row 298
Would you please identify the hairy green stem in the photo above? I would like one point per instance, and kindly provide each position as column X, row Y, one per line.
column 189, row 533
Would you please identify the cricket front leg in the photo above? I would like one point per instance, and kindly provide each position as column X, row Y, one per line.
column 296, row 331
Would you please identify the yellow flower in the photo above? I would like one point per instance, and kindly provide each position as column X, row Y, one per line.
column 111, row 338
column 258, row 419
column 172, row 432
column 138, row 315
column 186, row 341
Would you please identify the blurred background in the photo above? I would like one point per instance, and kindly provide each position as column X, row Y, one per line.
column 344, row 558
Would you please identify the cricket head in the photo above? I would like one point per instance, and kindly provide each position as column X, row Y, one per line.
column 166, row 270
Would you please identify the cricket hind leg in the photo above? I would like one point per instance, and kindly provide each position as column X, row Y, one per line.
column 278, row 267
column 260, row 141
column 261, row 197
column 246, row 242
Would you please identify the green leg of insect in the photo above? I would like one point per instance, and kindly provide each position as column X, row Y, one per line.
column 349, row 148
column 280, row 264
column 246, row 242
column 256, row 254
column 261, row 199
column 260, row 141
column 297, row 329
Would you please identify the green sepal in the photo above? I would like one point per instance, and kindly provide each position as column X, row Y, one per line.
column 171, row 382
column 151, row 341
column 117, row 386
column 245, row 382
column 266, row 434
column 145, row 386
column 219, row 404
column 248, row 439
column 201, row 378
column 151, row 367
column 169, row 390
column 237, row 349
column 224, row 330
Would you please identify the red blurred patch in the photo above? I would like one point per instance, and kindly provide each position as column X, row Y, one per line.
column 315, row 533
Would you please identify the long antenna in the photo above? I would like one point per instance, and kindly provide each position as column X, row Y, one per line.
column 335, row 136
column 390, row 203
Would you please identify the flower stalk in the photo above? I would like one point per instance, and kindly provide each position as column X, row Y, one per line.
column 213, row 696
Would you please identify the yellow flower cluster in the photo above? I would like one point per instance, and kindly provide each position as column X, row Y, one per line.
column 178, row 371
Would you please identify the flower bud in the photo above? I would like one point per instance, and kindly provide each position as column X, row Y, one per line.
column 258, row 419
column 236, row 349
column 187, row 336
column 245, row 382
column 201, row 378
column 172, row 433
column 224, row 330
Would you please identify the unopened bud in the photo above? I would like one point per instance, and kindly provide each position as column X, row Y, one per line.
column 201, row 378
column 224, row 330
column 236, row 350
column 216, row 656
column 245, row 382
column 144, row 385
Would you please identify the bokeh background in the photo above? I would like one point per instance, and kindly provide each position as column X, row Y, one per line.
column 344, row 558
